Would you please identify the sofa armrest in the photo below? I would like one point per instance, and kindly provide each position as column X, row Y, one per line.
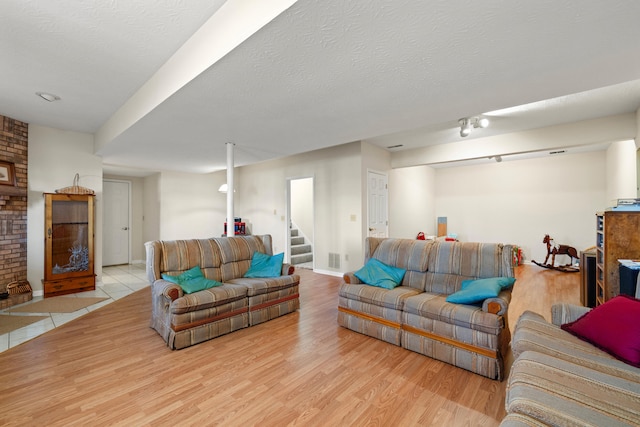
column 351, row 278
column 498, row 305
column 169, row 290
column 287, row 269
column 564, row 313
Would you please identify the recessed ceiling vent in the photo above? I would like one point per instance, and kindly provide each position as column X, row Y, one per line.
column 557, row 152
column 395, row 146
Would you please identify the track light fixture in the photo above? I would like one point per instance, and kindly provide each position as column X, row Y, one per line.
column 469, row 123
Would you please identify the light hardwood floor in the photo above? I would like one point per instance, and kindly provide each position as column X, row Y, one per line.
column 109, row 368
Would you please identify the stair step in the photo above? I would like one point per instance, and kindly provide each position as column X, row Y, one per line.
column 297, row 241
column 294, row 232
column 302, row 258
column 300, row 249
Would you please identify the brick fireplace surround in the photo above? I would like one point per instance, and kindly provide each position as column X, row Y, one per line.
column 13, row 203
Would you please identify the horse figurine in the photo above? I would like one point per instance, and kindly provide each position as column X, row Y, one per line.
column 554, row 249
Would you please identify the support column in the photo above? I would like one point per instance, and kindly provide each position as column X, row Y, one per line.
column 230, row 186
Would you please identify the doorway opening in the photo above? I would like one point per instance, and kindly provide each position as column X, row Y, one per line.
column 300, row 222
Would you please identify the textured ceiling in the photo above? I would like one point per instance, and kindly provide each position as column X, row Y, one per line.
column 321, row 73
column 94, row 54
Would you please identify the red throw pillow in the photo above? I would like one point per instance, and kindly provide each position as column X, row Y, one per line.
column 613, row 327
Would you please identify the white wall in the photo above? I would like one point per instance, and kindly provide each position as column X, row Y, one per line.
column 621, row 171
column 188, row 203
column 55, row 156
column 260, row 199
column 520, row 201
column 412, row 202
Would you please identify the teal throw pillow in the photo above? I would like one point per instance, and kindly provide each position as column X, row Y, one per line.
column 504, row 282
column 263, row 265
column 379, row 274
column 191, row 280
column 196, row 284
column 192, row 273
column 475, row 292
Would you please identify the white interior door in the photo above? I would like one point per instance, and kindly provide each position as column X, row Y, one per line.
column 377, row 204
column 115, row 248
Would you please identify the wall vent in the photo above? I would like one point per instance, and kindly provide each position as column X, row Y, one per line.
column 334, row 260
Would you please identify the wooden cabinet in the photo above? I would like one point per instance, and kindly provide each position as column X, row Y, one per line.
column 69, row 233
column 617, row 237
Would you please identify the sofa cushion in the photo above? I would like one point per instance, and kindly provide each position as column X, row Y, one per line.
column 181, row 255
column 407, row 254
column 533, row 333
column 236, row 254
column 404, row 253
column 389, row 298
column 257, row 286
column 377, row 273
column 558, row 392
column 613, row 326
column 208, row 298
column 520, row 420
column 469, row 259
column 263, row 265
column 435, row 306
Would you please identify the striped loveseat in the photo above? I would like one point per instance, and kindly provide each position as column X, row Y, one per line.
column 416, row 316
column 187, row 319
column 558, row 379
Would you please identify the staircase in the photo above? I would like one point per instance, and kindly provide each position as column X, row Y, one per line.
column 301, row 252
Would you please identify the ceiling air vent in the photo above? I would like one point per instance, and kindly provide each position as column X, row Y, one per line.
column 557, row 152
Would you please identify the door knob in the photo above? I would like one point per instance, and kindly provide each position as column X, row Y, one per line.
column 371, row 229
column 125, row 228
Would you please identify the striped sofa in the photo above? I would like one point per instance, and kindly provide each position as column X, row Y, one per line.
column 559, row 380
column 415, row 314
column 187, row 319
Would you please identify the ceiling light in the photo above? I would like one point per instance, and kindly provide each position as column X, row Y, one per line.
column 469, row 123
column 465, row 127
column 48, row 96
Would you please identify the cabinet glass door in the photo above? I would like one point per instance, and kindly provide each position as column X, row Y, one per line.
column 69, row 235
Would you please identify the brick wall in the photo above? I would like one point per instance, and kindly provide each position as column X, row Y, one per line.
column 13, row 202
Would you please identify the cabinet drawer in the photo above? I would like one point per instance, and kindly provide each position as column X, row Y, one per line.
column 67, row 286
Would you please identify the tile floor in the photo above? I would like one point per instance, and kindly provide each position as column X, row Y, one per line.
column 117, row 282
